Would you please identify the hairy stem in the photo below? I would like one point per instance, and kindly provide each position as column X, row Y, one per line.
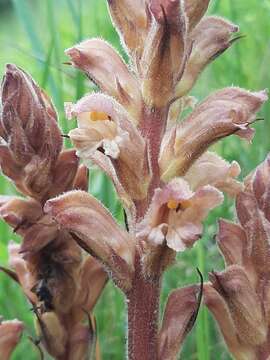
column 143, row 315
column 152, row 128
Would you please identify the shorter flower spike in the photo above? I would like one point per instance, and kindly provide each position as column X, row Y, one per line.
column 10, row 334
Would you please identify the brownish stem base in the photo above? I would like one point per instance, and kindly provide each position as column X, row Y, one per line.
column 143, row 316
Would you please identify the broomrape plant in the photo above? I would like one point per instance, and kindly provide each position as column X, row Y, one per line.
column 167, row 180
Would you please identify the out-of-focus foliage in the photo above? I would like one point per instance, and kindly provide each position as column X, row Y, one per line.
column 34, row 34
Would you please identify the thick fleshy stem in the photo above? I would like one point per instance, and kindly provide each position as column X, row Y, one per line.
column 143, row 316
column 143, row 299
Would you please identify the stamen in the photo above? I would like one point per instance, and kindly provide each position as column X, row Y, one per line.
column 172, row 204
column 178, row 205
column 98, row 116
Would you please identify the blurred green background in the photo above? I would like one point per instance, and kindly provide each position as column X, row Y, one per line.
column 34, row 34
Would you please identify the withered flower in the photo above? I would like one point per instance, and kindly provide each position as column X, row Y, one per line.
column 242, row 290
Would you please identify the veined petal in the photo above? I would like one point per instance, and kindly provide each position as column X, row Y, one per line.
column 232, row 242
column 112, row 76
column 10, row 334
column 210, row 38
column 176, row 214
column 261, row 187
column 93, row 280
column 257, row 229
column 131, row 19
column 83, row 343
column 19, row 265
column 64, row 172
column 244, row 304
column 96, row 231
column 20, row 213
column 226, row 112
column 165, row 52
column 53, row 333
column 211, row 169
column 104, row 126
column 195, row 9
column 222, row 315
column 177, row 322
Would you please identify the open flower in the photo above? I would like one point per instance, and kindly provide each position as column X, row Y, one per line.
column 10, row 334
column 176, row 214
column 106, row 134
